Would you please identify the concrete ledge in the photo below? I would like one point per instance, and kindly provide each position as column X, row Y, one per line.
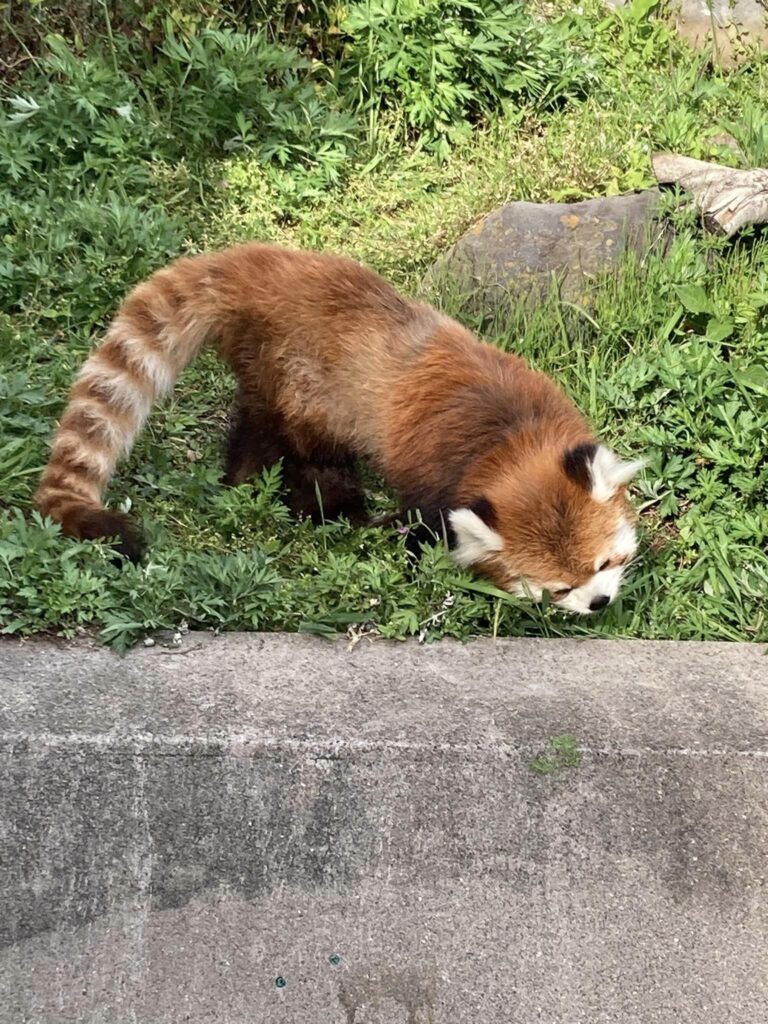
column 276, row 829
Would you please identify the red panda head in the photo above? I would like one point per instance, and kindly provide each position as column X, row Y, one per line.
column 555, row 521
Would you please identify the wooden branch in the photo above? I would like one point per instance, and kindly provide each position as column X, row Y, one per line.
column 728, row 198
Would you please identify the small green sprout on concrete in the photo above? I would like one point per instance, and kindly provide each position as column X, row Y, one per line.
column 562, row 752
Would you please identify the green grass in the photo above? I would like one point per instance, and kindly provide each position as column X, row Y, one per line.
column 561, row 754
column 108, row 174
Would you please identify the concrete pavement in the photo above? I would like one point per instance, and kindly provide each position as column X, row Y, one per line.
column 278, row 829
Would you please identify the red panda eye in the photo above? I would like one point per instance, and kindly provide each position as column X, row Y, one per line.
column 606, row 565
column 558, row 595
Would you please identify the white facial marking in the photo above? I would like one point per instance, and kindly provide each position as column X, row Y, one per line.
column 624, row 540
column 474, row 538
column 602, row 584
column 609, row 473
column 605, row 583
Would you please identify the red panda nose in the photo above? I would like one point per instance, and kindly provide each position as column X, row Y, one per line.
column 598, row 602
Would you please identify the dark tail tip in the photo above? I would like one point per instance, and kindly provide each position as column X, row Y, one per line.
column 92, row 524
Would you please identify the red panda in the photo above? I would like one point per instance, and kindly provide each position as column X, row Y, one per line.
column 332, row 364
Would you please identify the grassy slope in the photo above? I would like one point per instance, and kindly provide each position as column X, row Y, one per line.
column 669, row 362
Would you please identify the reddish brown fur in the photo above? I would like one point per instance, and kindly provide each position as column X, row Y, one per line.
column 333, row 364
column 569, row 533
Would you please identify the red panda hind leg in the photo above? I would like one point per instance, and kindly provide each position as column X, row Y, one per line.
column 258, row 439
column 338, row 488
column 255, row 442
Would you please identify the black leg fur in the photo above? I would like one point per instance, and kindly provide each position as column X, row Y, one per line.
column 257, row 440
column 338, row 486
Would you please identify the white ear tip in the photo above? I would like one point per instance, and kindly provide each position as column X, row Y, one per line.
column 630, row 469
column 457, row 516
column 475, row 540
column 609, row 473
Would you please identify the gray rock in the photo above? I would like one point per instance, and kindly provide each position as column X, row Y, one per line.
column 518, row 250
column 280, row 830
column 732, row 21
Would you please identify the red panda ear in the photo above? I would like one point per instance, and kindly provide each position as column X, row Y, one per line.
column 484, row 510
column 610, row 473
column 474, row 538
column 596, row 469
column 577, row 464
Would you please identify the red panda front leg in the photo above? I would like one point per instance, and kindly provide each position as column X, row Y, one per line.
column 425, row 525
